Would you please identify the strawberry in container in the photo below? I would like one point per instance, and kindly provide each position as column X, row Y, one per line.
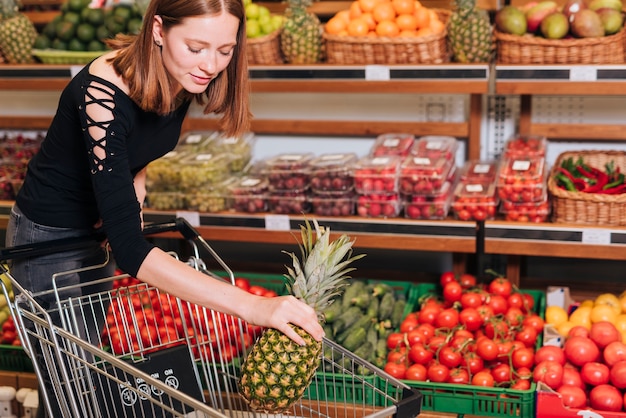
column 399, row 144
column 526, row 211
column 424, row 175
column 332, row 204
column 331, row 173
column 435, row 206
column 474, row 200
column 375, row 205
column 376, row 175
column 288, row 172
column 522, row 179
column 522, row 146
column 436, row 146
column 249, row 194
column 291, row 202
column 483, row 170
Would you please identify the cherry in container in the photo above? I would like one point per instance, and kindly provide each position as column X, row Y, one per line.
column 436, row 146
column 376, row 175
column 249, row 194
column 481, row 170
column 522, row 146
column 424, row 175
column 378, row 205
column 288, row 202
column 434, row 206
column 526, row 211
column 399, row 144
column 474, row 201
column 289, row 172
column 522, row 179
column 332, row 173
column 333, row 205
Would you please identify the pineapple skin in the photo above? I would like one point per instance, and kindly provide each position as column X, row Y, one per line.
column 17, row 33
column 277, row 371
column 301, row 38
column 470, row 33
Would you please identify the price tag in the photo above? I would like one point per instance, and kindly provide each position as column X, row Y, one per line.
column 377, row 73
column 596, row 236
column 277, row 223
column 192, row 217
column 481, row 168
column 583, row 73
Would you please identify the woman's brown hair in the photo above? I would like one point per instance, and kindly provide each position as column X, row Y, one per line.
column 140, row 65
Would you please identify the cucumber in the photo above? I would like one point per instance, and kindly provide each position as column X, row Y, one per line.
column 386, row 306
column 372, row 309
column 365, row 350
column 372, row 335
column 380, row 349
column 380, row 289
column 362, row 300
column 364, row 322
column 352, row 290
column 397, row 313
column 333, row 311
column 347, row 319
column 355, row 339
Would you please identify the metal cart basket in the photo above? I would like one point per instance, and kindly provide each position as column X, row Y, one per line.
column 159, row 356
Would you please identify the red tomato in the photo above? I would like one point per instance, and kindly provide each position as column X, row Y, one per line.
column 606, row 398
column 487, row 349
column 594, row 373
column 500, row 286
column 416, row 372
column 447, row 318
column 438, row 373
column 467, row 280
column 257, row 290
column 449, row 357
column 603, row 333
column 470, row 318
column 395, row 340
column 483, row 378
column 472, row 362
column 578, row 331
column 523, row 357
column 516, row 300
column 452, row 292
column 571, row 377
column 521, row 384
column 572, row 396
column 397, row 370
column 415, row 336
column 498, row 304
column 580, row 350
column 614, row 352
column 527, row 335
column 409, row 324
column 550, row 352
column 471, row 300
column 459, row 376
column 535, row 321
column 446, row 277
column 427, row 329
column 496, row 328
column 502, row 374
column 419, row 354
column 514, row 316
column 270, row 293
column 242, row 283
column 428, row 314
column 618, row 375
column 549, row 372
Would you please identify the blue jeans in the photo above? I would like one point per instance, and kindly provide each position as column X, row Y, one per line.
column 35, row 274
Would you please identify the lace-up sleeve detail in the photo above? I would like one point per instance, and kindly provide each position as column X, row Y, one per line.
column 106, row 123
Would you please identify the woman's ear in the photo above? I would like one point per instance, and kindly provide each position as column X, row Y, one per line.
column 157, row 30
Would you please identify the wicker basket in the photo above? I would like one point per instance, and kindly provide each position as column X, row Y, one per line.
column 431, row 49
column 265, row 50
column 57, row 56
column 588, row 208
column 529, row 49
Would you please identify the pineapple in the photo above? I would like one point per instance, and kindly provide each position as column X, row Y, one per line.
column 470, row 33
column 301, row 37
column 277, row 371
column 17, row 34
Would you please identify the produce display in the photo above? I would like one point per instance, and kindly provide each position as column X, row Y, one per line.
column 259, row 20
column 429, row 206
column 470, row 33
column 575, row 18
column 387, row 18
column 17, row 33
column 17, row 149
column 577, row 176
column 8, row 333
column 522, row 179
column 301, row 36
column 392, row 144
column 330, row 173
column 475, row 199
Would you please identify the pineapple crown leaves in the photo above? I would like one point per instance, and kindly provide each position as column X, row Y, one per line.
column 321, row 273
column 9, row 8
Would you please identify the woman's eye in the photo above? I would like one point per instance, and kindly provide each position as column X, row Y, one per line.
column 227, row 53
column 194, row 51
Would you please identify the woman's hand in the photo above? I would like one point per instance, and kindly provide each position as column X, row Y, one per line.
column 279, row 312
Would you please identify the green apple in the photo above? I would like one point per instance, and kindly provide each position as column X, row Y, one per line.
column 263, row 11
column 277, row 21
column 253, row 29
column 252, row 11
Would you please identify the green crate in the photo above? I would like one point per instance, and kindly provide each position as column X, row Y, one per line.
column 14, row 358
column 342, row 388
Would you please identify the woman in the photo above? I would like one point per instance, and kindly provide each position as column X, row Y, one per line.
column 118, row 114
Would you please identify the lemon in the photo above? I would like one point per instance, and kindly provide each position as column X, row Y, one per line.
column 565, row 327
column 587, row 302
column 602, row 312
column 611, row 300
column 555, row 315
column 581, row 316
column 620, row 322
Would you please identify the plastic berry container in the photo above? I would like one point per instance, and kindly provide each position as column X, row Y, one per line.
column 436, row 146
column 474, row 201
column 434, row 206
column 332, row 173
column 195, row 141
column 238, row 148
column 526, row 211
column 249, row 194
column 524, row 146
column 424, row 175
column 378, row 205
column 160, row 200
column 376, row 175
column 522, row 179
column 399, row 144
column 288, row 172
column 202, row 170
column 209, row 199
column 288, row 202
column 484, row 170
column 333, row 205
column 163, row 174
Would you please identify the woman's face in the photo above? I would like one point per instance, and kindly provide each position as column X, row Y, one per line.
column 197, row 50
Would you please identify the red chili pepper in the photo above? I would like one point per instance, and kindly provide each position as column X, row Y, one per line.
column 587, row 173
column 614, row 190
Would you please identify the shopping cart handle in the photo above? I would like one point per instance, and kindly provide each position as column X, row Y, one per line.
column 179, row 225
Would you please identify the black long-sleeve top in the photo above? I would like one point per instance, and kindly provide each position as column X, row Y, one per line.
column 69, row 185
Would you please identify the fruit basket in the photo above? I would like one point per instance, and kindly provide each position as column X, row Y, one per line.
column 529, row 49
column 429, row 49
column 588, row 208
column 57, row 56
column 265, row 50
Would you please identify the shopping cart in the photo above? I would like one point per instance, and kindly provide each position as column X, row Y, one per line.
column 160, row 356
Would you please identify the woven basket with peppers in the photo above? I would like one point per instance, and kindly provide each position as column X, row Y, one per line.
column 589, row 187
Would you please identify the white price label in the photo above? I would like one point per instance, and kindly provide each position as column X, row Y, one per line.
column 192, row 217
column 377, row 73
column 583, row 73
column 277, row 223
column 520, row 165
column 596, row 236
column 481, row 168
